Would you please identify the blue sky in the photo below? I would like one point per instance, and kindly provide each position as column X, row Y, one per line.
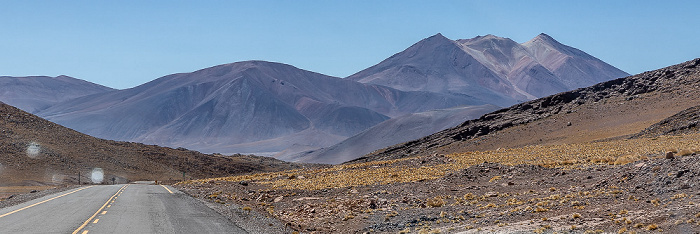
column 122, row 44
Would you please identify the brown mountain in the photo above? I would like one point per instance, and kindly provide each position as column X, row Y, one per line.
column 36, row 151
column 612, row 109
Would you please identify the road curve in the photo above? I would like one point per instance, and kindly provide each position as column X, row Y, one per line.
column 133, row 208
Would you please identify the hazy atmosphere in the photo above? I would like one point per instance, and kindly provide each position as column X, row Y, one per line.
column 127, row 43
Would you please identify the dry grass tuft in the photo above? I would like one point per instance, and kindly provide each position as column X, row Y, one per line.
column 435, row 202
column 652, row 227
column 685, row 152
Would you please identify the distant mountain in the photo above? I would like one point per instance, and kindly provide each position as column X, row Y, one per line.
column 493, row 69
column 36, row 151
column 244, row 107
column 652, row 103
column 35, row 93
column 393, row 131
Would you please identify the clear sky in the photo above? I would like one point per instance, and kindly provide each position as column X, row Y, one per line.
column 122, row 44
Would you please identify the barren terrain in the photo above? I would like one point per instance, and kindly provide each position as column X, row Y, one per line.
column 603, row 186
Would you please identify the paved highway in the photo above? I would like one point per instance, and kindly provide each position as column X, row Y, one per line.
column 132, row 208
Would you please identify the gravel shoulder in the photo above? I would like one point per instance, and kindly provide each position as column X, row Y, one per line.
column 25, row 197
column 250, row 220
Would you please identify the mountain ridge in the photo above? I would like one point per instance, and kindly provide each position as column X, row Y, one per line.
column 35, row 93
column 277, row 109
column 497, row 68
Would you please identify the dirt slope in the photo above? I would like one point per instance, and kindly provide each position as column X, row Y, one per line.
column 36, row 151
column 611, row 109
column 685, row 121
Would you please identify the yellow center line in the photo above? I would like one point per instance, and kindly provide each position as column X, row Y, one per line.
column 23, row 208
column 166, row 188
column 98, row 211
column 85, row 232
column 104, row 212
column 96, row 220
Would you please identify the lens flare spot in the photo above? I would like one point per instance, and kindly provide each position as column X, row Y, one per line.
column 33, row 149
column 57, row 179
column 97, row 176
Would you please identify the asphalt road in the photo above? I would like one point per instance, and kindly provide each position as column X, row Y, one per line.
column 133, row 208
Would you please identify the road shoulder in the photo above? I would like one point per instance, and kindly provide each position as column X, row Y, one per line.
column 25, row 197
column 249, row 220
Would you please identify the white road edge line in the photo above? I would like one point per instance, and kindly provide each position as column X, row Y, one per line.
column 26, row 207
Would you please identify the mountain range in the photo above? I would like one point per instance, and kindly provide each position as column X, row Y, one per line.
column 244, row 104
column 277, row 109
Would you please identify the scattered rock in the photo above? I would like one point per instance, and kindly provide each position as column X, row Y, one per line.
column 669, row 155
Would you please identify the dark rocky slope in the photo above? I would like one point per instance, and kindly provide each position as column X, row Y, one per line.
column 686, row 121
column 678, row 84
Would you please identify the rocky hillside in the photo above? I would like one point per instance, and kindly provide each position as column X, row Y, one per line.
column 610, row 109
column 36, row 151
